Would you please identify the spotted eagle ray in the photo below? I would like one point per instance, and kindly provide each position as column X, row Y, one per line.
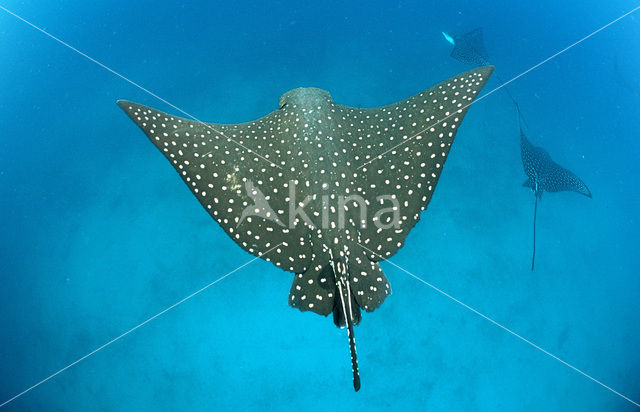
column 319, row 167
column 545, row 174
column 469, row 49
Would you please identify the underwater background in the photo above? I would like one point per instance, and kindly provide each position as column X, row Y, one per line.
column 98, row 233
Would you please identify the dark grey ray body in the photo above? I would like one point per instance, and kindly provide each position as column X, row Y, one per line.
column 543, row 174
column 311, row 149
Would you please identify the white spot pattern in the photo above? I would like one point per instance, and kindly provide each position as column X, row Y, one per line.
column 320, row 146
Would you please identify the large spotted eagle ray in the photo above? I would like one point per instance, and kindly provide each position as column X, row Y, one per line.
column 545, row 174
column 311, row 170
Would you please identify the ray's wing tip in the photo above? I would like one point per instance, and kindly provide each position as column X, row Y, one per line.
column 484, row 71
column 487, row 70
column 126, row 105
column 129, row 107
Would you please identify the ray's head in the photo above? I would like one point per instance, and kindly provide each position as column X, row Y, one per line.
column 305, row 97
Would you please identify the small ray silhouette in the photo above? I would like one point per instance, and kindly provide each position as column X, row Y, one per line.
column 469, row 49
column 545, row 174
column 320, row 167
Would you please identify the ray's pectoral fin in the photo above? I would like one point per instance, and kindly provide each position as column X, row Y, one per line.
column 432, row 117
column 226, row 180
column 562, row 179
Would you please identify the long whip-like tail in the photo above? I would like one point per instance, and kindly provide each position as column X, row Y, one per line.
column 535, row 191
column 506, row 89
column 535, row 212
column 346, row 308
column 354, row 356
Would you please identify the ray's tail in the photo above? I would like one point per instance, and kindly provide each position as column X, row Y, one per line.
column 344, row 290
column 506, row 89
column 535, row 212
column 535, row 191
column 354, row 356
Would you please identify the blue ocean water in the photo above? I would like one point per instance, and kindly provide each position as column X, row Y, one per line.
column 99, row 234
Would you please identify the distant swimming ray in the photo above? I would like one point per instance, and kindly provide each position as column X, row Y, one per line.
column 469, row 49
column 543, row 174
